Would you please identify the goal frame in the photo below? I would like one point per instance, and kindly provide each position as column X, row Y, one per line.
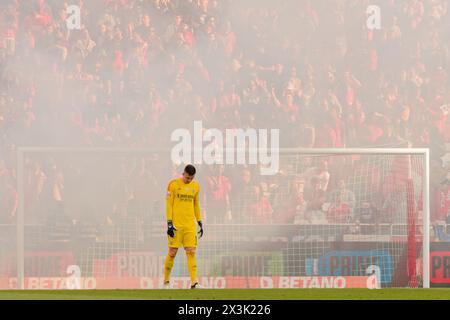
column 425, row 152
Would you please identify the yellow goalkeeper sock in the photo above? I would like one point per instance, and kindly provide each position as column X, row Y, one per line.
column 192, row 266
column 168, row 264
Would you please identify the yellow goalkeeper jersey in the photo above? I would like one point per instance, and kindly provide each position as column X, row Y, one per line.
column 182, row 204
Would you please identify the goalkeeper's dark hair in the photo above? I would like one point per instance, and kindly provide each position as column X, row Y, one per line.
column 190, row 170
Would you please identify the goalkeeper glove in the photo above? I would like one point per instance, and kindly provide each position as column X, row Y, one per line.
column 170, row 229
column 200, row 233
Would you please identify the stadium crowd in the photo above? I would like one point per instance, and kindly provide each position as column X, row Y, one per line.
column 139, row 69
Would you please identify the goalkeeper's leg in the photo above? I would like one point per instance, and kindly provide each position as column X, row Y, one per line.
column 192, row 265
column 168, row 264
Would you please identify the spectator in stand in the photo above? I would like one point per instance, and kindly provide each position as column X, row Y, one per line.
column 300, row 211
column 320, row 173
column 339, row 212
column 440, row 211
column 242, row 195
column 342, row 195
column 218, row 188
column 315, row 198
column 296, row 204
column 367, row 213
column 260, row 210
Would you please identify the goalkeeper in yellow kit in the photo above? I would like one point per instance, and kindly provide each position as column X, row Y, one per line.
column 183, row 211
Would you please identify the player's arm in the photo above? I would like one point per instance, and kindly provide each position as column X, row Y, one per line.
column 197, row 211
column 170, row 197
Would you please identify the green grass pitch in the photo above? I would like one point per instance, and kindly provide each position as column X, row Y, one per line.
column 231, row 294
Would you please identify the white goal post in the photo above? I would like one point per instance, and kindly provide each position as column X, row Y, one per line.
column 285, row 153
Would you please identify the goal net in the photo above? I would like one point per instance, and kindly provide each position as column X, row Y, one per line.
column 95, row 218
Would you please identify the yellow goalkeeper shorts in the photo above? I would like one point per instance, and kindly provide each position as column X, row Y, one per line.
column 183, row 237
